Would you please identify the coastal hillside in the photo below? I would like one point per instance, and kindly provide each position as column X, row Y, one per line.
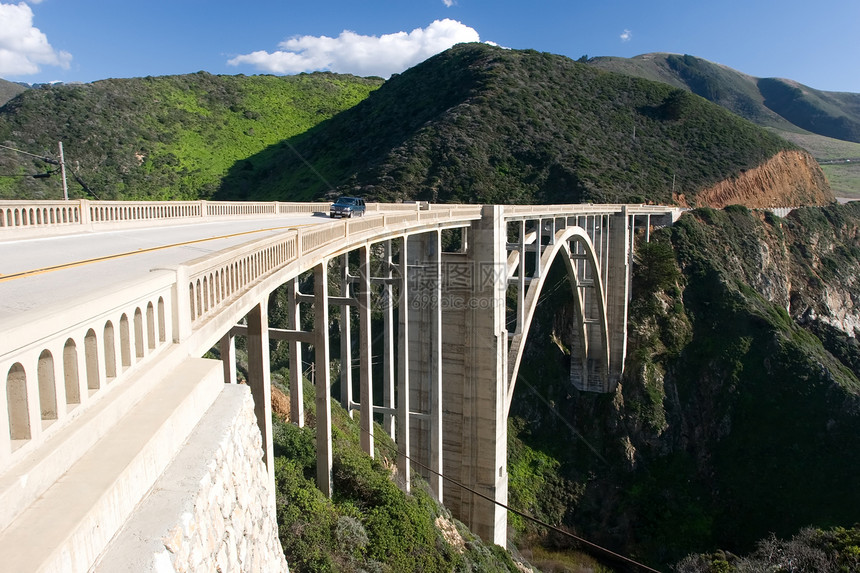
column 826, row 124
column 478, row 123
column 159, row 138
column 772, row 102
column 473, row 124
column 740, row 397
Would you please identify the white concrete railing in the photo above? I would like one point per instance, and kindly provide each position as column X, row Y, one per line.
column 23, row 219
column 59, row 365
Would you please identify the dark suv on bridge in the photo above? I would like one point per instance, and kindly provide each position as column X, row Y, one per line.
column 347, row 207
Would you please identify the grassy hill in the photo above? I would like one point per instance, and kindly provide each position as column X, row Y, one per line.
column 473, row 124
column 813, row 119
column 771, row 102
column 171, row 137
column 478, row 123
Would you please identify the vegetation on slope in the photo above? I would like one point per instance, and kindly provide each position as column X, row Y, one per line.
column 171, row 137
column 8, row 90
column 482, row 124
column 734, row 416
column 371, row 524
column 832, row 551
column 771, row 102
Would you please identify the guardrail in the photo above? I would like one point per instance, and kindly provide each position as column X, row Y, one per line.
column 28, row 219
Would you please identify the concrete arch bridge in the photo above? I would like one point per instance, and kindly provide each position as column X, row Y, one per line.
column 84, row 367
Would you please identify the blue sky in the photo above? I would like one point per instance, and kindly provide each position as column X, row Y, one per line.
column 815, row 43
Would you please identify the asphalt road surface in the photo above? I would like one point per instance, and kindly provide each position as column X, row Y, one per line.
column 29, row 283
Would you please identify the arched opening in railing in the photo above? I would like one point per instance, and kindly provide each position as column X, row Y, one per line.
column 198, row 290
column 210, row 292
column 162, row 324
column 91, row 359
column 192, row 301
column 139, row 341
column 110, row 351
column 124, row 341
column 47, row 386
column 16, row 403
column 70, row 372
column 150, row 326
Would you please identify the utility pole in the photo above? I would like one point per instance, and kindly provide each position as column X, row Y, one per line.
column 63, row 172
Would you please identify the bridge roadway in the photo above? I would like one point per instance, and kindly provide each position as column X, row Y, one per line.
column 118, row 330
column 40, row 272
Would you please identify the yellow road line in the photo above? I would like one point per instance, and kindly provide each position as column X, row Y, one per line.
column 43, row 270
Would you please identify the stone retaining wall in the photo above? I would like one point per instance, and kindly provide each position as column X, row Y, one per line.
column 211, row 510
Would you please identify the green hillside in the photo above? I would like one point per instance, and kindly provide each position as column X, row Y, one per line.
column 478, row 123
column 171, row 137
column 813, row 119
column 770, row 102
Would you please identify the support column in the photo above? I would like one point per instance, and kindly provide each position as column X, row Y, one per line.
column 425, row 357
column 366, row 359
column 322, row 390
column 521, row 278
column 346, row 399
column 228, row 357
column 475, row 384
column 436, row 408
column 617, row 284
column 389, row 375
column 404, row 451
column 297, row 404
column 259, row 380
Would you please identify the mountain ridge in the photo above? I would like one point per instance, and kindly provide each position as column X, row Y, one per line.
column 771, row 102
column 478, row 123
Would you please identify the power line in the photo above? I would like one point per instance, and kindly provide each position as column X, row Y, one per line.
column 42, row 157
column 33, row 175
column 589, row 544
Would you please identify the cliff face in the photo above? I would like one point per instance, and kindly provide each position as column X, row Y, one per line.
column 788, row 179
column 741, row 392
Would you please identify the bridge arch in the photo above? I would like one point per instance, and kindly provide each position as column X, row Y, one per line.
column 583, row 272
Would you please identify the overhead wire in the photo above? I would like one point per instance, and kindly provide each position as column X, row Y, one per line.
column 593, row 546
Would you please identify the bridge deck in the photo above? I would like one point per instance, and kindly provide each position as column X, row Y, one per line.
column 125, row 256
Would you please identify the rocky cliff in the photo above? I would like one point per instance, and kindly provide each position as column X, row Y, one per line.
column 788, row 179
column 741, row 394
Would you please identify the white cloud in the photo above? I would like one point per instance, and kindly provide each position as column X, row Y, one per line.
column 626, row 35
column 360, row 55
column 24, row 48
column 447, row 3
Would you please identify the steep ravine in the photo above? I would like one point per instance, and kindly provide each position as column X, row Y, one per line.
column 740, row 402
